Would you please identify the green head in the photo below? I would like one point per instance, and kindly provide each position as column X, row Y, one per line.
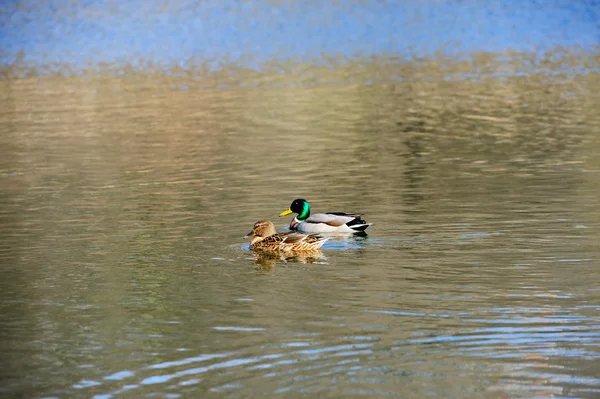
column 300, row 207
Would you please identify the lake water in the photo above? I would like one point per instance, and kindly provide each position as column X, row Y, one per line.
column 124, row 200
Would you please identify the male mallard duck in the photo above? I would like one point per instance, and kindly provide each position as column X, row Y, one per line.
column 266, row 239
column 330, row 222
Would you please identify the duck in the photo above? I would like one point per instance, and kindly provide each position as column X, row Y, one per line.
column 265, row 239
column 330, row 222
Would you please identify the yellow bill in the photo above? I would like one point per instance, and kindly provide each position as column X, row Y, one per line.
column 285, row 212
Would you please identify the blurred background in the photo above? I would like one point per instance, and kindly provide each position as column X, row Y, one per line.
column 140, row 140
column 71, row 36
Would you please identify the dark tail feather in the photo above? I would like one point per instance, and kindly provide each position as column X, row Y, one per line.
column 355, row 221
column 358, row 224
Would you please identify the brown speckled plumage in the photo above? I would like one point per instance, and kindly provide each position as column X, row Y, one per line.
column 266, row 239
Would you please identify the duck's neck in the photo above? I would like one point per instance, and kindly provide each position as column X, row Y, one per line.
column 256, row 240
column 305, row 213
column 294, row 223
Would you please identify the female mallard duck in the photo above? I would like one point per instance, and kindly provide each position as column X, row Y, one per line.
column 266, row 239
column 330, row 222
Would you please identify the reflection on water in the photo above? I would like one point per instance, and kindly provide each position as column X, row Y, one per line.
column 124, row 201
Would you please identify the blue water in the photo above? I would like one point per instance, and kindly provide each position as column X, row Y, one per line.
column 175, row 32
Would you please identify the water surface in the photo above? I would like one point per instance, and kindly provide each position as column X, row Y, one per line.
column 124, row 201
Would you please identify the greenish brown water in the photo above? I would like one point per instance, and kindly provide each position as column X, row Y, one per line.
column 124, row 201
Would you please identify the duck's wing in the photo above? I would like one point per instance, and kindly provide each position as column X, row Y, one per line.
column 334, row 219
column 293, row 237
column 303, row 241
column 315, row 240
